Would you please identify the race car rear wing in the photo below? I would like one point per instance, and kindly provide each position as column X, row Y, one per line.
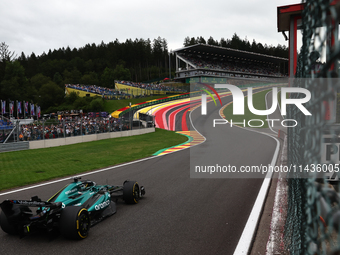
column 7, row 205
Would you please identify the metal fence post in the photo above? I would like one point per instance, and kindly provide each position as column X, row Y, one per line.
column 17, row 128
column 64, row 128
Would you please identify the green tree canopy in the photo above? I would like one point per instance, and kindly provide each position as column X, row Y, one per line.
column 97, row 105
column 121, row 73
column 89, row 79
column 108, row 77
column 50, row 94
column 11, row 89
column 38, row 80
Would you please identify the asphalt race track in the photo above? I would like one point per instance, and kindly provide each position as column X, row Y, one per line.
column 178, row 215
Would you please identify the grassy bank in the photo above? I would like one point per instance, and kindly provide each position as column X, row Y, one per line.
column 30, row 166
column 259, row 103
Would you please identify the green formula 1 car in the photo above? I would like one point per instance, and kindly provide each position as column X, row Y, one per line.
column 71, row 211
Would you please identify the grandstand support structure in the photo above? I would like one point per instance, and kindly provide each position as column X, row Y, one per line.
column 8, row 131
column 214, row 64
column 289, row 19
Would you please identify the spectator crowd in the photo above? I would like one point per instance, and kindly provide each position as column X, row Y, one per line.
column 71, row 127
column 101, row 91
column 223, row 64
column 108, row 93
column 152, row 86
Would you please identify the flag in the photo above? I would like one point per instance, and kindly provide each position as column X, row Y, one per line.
column 11, row 107
column 3, row 106
column 19, row 107
column 38, row 111
column 26, row 107
column 32, row 110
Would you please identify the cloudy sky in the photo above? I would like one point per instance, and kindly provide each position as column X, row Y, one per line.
column 39, row 25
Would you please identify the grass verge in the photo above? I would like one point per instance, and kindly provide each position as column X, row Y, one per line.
column 30, row 166
column 259, row 103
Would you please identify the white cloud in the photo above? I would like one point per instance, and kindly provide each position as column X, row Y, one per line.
column 40, row 25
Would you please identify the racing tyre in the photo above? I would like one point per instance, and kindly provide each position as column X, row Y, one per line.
column 74, row 222
column 6, row 226
column 131, row 193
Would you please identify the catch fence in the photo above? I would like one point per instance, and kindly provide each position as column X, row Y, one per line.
column 16, row 131
column 313, row 217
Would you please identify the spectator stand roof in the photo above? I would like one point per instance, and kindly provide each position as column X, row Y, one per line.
column 284, row 14
column 217, row 51
column 222, row 51
column 289, row 18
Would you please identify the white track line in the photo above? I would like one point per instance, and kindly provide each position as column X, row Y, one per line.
column 248, row 233
column 80, row 175
column 100, row 170
column 249, row 230
column 245, row 241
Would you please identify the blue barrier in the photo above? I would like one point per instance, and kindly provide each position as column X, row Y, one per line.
column 6, row 127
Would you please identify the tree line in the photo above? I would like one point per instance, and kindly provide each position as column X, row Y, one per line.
column 41, row 78
column 241, row 44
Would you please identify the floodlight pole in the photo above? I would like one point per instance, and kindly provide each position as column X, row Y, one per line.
column 170, row 64
column 130, row 117
column 2, row 111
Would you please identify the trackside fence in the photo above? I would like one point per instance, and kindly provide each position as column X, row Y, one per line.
column 16, row 132
column 313, row 218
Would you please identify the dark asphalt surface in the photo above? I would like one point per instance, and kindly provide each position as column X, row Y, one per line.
column 228, row 145
column 178, row 215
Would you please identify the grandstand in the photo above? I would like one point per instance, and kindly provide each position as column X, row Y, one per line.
column 213, row 64
column 91, row 91
column 197, row 63
column 6, row 126
column 146, row 89
column 125, row 89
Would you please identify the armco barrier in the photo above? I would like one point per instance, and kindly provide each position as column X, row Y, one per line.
column 86, row 138
column 16, row 146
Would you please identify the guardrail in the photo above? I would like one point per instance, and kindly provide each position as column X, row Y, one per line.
column 86, row 138
column 17, row 146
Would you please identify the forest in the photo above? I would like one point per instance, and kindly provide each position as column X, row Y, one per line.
column 41, row 79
